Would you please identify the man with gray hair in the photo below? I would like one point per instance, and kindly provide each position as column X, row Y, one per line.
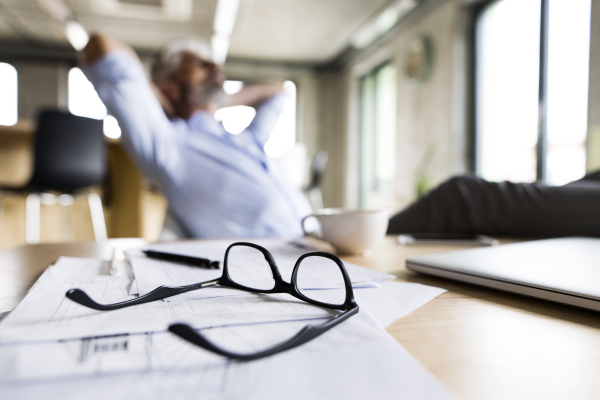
column 217, row 184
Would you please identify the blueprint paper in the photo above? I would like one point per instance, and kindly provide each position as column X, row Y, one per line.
column 46, row 314
column 355, row 360
column 151, row 273
column 95, row 356
column 143, row 352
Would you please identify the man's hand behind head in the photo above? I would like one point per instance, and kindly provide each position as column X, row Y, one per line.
column 99, row 45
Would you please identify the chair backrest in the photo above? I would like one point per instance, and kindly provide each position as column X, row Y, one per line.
column 70, row 152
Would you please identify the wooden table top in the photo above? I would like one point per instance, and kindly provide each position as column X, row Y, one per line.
column 480, row 343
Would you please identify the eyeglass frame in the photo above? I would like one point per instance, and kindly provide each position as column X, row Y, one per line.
column 186, row 332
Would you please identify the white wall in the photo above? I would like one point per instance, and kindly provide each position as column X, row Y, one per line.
column 41, row 85
column 426, row 115
column 435, row 113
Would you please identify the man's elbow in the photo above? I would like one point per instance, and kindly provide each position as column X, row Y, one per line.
column 100, row 45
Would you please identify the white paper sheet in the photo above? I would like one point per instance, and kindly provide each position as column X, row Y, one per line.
column 394, row 300
column 355, row 360
column 47, row 314
column 94, row 356
column 133, row 290
column 150, row 273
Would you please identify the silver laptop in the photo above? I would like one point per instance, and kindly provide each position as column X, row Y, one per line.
column 564, row 270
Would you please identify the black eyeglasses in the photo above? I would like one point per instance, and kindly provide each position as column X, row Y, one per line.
column 251, row 267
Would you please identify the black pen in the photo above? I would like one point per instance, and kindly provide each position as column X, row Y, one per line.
column 195, row 261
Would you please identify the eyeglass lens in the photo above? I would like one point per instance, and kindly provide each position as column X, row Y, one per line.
column 248, row 267
column 316, row 276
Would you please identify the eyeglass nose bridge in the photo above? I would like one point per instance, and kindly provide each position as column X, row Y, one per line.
column 283, row 286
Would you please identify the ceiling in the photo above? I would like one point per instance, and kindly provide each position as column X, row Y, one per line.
column 303, row 31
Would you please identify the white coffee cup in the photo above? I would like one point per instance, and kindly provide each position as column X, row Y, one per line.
column 350, row 231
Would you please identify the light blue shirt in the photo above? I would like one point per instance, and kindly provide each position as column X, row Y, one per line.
column 217, row 184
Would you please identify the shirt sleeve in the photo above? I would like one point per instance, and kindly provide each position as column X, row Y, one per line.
column 267, row 115
column 147, row 133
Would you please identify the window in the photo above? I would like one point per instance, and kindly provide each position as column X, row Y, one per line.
column 84, row 101
column 8, row 94
column 378, row 137
column 237, row 118
column 527, row 131
column 283, row 137
column 568, row 80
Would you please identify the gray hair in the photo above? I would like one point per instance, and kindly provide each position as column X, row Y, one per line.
column 169, row 59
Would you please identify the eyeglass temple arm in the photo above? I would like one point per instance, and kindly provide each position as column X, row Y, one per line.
column 307, row 333
column 161, row 292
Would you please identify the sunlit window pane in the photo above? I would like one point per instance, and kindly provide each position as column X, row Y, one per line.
column 83, row 99
column 232, row 87
column 385, row 163
column 378, row 137
column 111, row 127
column 568, row 73
column 8, row 94
column 283, row 137
column 235, row 119
column 507, row 80
column 367, row 142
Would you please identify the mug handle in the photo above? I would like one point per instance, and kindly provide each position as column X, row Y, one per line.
column 309, row 233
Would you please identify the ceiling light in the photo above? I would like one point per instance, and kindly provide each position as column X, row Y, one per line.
column 220, row 47
column 76, row 35
column 382, row 23
column 225, row 16
column 223, row 27
column 166, row 10
column 57, row 8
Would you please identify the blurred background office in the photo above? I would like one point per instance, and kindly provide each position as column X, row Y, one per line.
column 385, row 98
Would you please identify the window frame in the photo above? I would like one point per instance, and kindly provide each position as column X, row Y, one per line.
column 370, row 74
column 474, row 13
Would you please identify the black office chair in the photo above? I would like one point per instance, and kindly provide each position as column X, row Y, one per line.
column 69, row 155
column 313, row 188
